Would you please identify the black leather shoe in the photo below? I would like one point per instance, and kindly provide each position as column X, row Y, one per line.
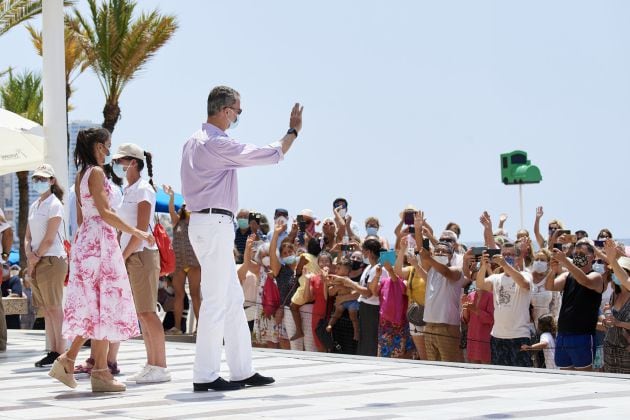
column 255, row 380
column 49, row 359
column 218, row 384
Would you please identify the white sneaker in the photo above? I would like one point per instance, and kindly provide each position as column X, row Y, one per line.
column 142, row 373
column 155, row 374
column 173, row 331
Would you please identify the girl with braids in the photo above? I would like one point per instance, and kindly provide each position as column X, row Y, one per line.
column 99, row 303
column 142, row 259
column 186, row 263
column 46, row 256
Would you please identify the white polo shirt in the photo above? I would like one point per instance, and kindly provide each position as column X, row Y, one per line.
column 133, row 195
column 39, row 214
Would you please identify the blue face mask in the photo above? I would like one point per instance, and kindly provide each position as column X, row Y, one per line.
column 510, row 260
column 119, row 170
column 599, row 268
column 290, row 260
column 371, row 231
column 41, row 187
column 242, row 223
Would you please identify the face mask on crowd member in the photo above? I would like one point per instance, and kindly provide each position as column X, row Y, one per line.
column 541, row 263
column 583, row 256
column 509, row 254
column 356, row 260
column 599, row 266
column 242, row 219
column 443, row 252
column 281, row 216
column 372, row 226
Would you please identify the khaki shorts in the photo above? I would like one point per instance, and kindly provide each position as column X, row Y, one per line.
column 144, row 276
column 442, row 342
column 47, row 281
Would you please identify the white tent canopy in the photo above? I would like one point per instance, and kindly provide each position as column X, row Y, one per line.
column 22, row 146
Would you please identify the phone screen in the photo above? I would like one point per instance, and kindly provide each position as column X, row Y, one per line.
column 478, row 250
column 409, row 218
column 426, row 244
column 387, row 256
column 558, row 246
column 493, row 252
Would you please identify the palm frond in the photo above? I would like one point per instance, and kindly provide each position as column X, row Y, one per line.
column 14, row 12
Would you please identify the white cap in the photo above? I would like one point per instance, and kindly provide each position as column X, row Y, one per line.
column 44, row 171
column 129, row 150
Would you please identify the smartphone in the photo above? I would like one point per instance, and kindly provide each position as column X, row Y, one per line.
column 387, row 256
column 346, row 247
column 558, row 246
column 301, row 223
column 599, row 244
column 408, row 217
column 478, row 250
column 412, row 230
column 564, row 232
column 255, row 217
column 492, row 252
column 426, row 244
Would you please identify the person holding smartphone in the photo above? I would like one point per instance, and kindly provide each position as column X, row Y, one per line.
column 442, row 298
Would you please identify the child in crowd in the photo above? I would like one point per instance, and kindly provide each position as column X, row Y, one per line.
column 306, row 268
column 345, row 299
column 547, row 330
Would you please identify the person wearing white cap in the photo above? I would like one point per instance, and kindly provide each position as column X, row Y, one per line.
column 210, row 159
column 46, row 256
column 141, row 258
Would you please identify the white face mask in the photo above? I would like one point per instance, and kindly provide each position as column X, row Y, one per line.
column 266, row 261
column 342, row 212
column 281, row 220
column 540, row 266
column 442, row 259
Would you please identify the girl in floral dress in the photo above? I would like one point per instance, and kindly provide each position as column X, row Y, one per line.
column 99, row 304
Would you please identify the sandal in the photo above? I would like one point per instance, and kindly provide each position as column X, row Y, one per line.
column 59, row 372
column 113, row 368
column 89, row 363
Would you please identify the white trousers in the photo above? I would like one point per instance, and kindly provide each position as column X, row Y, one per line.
column 221, row 316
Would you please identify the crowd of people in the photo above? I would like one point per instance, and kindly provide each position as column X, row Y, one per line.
column 558, row 300
column 555, row 301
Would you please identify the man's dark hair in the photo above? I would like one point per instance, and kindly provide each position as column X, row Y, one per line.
column 221, row 97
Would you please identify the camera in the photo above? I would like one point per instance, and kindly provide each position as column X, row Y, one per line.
column 255, row 217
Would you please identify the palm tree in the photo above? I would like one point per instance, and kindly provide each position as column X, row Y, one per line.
column 14, row 12
column 23, row 95
column 118, row 46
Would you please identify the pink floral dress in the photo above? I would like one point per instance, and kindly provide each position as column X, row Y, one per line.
column 99, row 304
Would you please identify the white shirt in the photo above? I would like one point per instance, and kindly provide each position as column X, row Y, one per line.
column 366, row 278
column 133, row 195
column 442, row 302
column 4, row 225
column 550, row 351
column 39, row 214
column 511, row 307
column 541, row 300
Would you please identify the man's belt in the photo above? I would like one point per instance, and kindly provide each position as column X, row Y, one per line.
column 216, row 211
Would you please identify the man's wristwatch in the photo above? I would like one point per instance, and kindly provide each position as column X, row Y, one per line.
column 293, row 131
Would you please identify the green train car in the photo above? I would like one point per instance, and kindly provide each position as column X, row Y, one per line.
column 516, row 169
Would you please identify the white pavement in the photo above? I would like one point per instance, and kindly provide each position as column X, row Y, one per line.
column 310, row 386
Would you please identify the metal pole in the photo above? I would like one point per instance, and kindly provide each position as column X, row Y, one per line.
column 54, row 81
column 520, row 193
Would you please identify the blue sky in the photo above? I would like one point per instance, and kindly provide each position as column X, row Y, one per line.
column 405, row 102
